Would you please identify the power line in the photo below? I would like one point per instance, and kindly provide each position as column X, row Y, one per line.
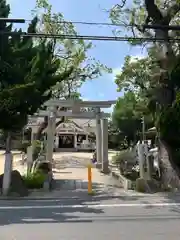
column 12, row 20
column 87, row 37
column 144, row 26
column 90, row 23
column 95, row 23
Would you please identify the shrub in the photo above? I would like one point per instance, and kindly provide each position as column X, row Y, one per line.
column 124, row 159
column 125, row 155
column 118, row 158
column 36, row 149
column 44, row 167
column 132, row 175
column 34, row 180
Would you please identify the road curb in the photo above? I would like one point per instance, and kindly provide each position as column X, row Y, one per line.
column 165, row 194
column 84, row 198
column 48, row 198
column 36, row 198
column 55, row 195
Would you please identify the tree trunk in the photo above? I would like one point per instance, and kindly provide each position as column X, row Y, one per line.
column 169, row 171
column 7, row 166
column 42, row 127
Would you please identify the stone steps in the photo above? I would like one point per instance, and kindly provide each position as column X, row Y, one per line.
column 71, row 184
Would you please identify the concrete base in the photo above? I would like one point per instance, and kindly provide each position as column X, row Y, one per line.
column 147, row 186
column 106, row 171
column 65, row 150
column 72, row 150
column 105, row 168
column 141, row 185
column 99, row 166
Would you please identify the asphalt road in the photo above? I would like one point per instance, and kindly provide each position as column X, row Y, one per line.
column 101, row 218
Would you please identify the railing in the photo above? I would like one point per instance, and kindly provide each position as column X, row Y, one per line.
column 121, row 180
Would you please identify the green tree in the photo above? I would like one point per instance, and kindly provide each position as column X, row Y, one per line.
column 125, row 117
column 136, row 75
column 166, row 56
column 70, row 52
column 115, row 137
column 28, row 71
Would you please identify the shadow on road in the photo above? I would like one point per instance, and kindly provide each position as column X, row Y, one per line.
column 65, row 211
column 77, row 188
column 170, row 200
column 75, row 206
column 48, row 215
column 173, row 198
column 72, row 215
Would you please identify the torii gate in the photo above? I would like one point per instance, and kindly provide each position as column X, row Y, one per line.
column 76, row 105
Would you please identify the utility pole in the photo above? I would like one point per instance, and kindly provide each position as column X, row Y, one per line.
column 143, row 129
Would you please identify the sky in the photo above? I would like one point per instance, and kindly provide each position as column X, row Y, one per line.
column 111, row 54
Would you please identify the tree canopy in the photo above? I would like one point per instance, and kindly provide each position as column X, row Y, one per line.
column 154, row 78
column 70, row 52
column 28, row 71
column 127, row 117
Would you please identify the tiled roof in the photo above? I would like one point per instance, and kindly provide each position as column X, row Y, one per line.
column 80, row 123
column 84, row 122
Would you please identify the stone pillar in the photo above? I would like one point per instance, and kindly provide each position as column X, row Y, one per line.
column 75, row 141
column 148, row 162
column 141, row 158
column 149, row 167
column 57, row 141
column 50, row 136
column 146, row 152
column 7, row 173
column 29, row 158
column 33, row 132
column 98, row 137
column 104, row 149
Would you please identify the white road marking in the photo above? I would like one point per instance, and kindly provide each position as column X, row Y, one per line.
column 94, row 206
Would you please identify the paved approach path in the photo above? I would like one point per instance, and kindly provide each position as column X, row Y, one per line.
column 17, row 156
column 72, row 167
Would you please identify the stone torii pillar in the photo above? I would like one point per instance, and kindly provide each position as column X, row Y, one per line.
column 98, row 137
column 50, row 135
column 141, row 156
column 104, row 147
